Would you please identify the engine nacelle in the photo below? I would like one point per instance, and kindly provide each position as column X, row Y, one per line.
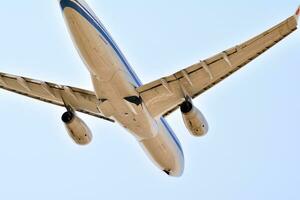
column 77, row 129
column 193, row 119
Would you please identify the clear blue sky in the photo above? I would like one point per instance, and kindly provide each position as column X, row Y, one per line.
column 251, row 151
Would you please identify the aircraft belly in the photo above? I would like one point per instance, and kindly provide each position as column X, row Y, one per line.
column 111, row 81
column 97, row 55
column 114, row 82
column 163, row 151
column 133, row 117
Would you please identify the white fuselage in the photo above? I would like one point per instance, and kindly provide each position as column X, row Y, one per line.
column 115, row 86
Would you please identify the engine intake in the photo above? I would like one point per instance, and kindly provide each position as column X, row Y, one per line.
column 193, row 119
column 77, row 129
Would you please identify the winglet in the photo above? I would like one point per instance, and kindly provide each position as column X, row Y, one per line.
column 297, row 14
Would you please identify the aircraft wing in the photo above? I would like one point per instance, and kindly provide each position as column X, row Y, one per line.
column 166, row 94
column 81, row 100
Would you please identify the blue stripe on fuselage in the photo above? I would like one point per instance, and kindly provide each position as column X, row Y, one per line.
column 94, row 22
column 165, row 123
column 98, row 26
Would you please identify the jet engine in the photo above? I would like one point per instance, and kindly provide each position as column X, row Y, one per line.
column 193, row 119
column 77, row 129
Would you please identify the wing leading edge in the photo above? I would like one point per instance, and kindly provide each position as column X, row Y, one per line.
column 81, row 100
column 166, row 94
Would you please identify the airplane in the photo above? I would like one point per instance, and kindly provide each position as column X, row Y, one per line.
column 119, row 95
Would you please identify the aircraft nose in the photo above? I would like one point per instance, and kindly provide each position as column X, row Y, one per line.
column 62, row 3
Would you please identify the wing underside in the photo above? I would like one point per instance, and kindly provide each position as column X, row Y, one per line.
column 81, row 100
column 165, row 95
